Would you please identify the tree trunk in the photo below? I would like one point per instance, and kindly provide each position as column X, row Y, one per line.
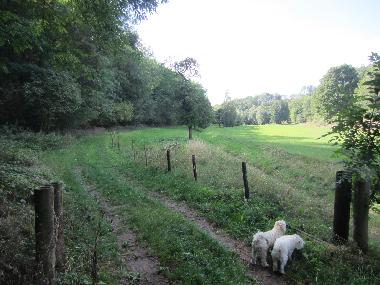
column 190, row 132
column 361, row 211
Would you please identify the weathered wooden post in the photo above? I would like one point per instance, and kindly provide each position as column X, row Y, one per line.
column 245, row 180
column 360, row 213
column 146, row 157
column 133, row 150
column 194, row 167
column 190, row 132
column 44, row 229
column 60, row 252
column 342, row 203
column 168, row 160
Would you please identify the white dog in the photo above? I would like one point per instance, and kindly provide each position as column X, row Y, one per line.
column 263, row 241
column 283, row 249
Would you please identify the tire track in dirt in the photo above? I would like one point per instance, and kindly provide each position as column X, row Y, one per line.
column 262, row 275
column 134, row 256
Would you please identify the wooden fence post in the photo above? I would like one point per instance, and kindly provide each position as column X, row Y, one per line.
column 342, row 207
column 168, row 160
column 146, row 157
column 360, row 213
column 60, row 253
column 133, row 150
column 44, row 229
column 245, row 180
column 194, row 167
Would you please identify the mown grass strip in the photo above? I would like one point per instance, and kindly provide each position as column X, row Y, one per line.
column 83, row 220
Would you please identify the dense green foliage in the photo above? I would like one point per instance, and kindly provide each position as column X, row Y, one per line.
column 262, row 109
column 321, row 103
column 357, row 128
column 335, row 91
column 76, row 63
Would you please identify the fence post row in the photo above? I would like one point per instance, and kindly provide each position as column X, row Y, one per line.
column 44, row 229
column 342, row 202
column 245, row 180
column 194, row 167
column 168, row 160
column 49, row 225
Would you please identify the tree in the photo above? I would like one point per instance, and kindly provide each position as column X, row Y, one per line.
column 262, row 115
column 228, row 115
column 187, row 68
column 52, row 100
column 335, row 91
column 218, row 116
column 357, row 131
column 279, row 112
column 74, row 63
column 196, row 110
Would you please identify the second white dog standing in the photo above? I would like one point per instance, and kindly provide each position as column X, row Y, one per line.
column 283, row 249
column 263, row 241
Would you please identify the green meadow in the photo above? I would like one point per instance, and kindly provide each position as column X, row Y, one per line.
column 291, row 172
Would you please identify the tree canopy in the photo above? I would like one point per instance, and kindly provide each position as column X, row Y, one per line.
column 357, row 127
column 335, row 91
column 77, row 63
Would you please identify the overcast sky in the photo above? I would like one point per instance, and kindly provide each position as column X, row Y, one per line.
column 253, row 46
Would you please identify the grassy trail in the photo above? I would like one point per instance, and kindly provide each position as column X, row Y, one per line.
column 187, row 254
column 240, row 248
column 190, row 226
column 140, row 266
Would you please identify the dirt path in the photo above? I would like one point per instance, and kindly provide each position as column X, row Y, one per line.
column 143, row 268
column 263, row 275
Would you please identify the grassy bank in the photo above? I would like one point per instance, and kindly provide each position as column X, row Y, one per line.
column 21, row 171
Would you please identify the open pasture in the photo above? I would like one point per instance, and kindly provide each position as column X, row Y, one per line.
column 290, row 174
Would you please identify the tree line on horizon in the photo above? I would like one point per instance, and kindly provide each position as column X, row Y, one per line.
column 312, row 104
